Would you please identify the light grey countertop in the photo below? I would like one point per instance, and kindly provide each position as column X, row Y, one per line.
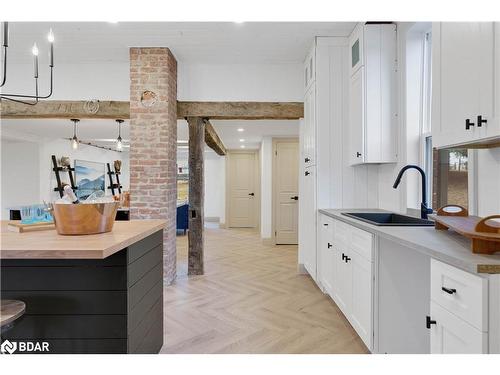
column 446, row 246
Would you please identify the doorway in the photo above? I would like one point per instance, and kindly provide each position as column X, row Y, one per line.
column 285, row 191
column 243, row 198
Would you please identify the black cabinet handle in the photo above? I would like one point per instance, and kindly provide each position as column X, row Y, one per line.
column 329, row 245
column 429, row 322
column 347, row 259
column 448, row 290
column 307, row 160
column 325, row 224
column 252, row 194
column 481, row 121
column 295, row 198
column 343, row 257
column 306, row 173
column 468, row 124
column 358, row 154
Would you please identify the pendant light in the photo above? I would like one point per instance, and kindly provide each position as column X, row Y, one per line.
column 74, row 140
column 119, row 141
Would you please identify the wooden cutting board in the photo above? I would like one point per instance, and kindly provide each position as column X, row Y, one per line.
column 484, row 232
column 16, row 226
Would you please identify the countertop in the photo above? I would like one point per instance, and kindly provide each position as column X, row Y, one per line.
column 48, row 244
column 446, row 246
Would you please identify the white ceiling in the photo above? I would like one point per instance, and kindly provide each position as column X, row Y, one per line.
column 191, row 42
column 104, row 132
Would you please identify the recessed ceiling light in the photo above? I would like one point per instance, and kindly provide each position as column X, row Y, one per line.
column 241, row 129
column 242, row 146
column 242, row 140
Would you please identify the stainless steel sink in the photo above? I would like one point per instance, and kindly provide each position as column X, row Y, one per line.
column 389, row 219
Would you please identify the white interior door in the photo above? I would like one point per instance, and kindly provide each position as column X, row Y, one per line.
column 242, row 190
column 286, row 175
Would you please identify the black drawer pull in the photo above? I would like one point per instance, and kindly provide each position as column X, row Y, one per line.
column 306, row 173
column 468, row 124
column 307, row 160
column 448, row 290
column 481, row 121
column 343, row 257
column 329, row 245
column 347, row 259
column 325, row 224
column 429, row 322
column 358, row 154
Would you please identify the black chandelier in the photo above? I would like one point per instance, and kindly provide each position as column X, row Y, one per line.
column 21, row 98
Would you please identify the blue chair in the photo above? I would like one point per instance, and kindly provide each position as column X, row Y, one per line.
column 182, row 217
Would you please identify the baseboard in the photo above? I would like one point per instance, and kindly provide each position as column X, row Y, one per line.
column 223, row 225
column 268, row 241
column 301, row 269
column 212, row 219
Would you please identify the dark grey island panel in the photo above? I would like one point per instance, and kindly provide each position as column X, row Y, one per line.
column 111, row 305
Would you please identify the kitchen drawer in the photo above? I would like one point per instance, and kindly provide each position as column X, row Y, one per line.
column 461, row 293
column 452, row 335
column 361, row 242
column 341, row 234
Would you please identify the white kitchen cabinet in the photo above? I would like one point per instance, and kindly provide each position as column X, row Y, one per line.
column 309, row 141
column 342, row 290
column 373, row 94
column 452, row 335
column 463, row 84
column 326, row 254
column 361, row 304
column 307, row 217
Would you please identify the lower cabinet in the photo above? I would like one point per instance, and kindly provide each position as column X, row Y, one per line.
column 452, row 335
column 345, row 272
column 307, row 221
column 458, row 318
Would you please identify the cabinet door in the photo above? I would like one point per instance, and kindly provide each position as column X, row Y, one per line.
column 310, row 126
column 462, row 80
column 325, row 254
column 342, row 292
column 357, row 117
column 307, row 232
column 361, row 309
column 493, row 128
column 452, row 335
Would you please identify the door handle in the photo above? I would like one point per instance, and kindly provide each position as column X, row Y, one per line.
column 307, row 160
column 252, row 194
column 429, row 322
column 307, row 173
column 448, row 290
column 295, row 198
column 468, row 124
column 481, row 121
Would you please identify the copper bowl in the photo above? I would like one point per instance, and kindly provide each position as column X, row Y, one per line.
column 76, row 219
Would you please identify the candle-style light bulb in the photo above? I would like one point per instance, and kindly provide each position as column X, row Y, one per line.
column 5, row 34
column 34, row 50
column 50, row 37
column 119, row 144
column 74, row 143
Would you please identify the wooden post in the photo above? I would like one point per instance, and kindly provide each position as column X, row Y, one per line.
column 196, row 194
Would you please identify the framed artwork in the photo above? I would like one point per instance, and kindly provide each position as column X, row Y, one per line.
column 90, row 177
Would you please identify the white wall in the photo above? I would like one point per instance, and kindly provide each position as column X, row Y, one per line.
column 215, row 186
column 240, row 82
column 20, row 174
column 266, row 188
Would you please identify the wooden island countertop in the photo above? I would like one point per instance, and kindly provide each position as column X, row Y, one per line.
column 50, row 245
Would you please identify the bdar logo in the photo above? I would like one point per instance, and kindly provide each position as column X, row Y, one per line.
column 8, row 347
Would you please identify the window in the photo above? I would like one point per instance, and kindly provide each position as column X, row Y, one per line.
column 447, row 170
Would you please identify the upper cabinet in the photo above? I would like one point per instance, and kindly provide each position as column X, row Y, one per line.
column 465, row 62
column 373, row 94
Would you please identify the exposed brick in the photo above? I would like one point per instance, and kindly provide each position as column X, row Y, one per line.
column 153, row 143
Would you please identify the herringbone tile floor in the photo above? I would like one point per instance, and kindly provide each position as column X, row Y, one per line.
column 251, row 300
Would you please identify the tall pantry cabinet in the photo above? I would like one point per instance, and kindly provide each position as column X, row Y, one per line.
column 325, row 87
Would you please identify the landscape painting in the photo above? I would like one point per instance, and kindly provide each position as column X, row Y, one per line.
column 90, row 177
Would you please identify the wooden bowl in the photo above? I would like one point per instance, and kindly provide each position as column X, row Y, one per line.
column 78, row 219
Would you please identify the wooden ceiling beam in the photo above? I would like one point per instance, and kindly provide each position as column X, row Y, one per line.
column 67, row 109
column 213, row 140
column 64, row 109
column 241, row 110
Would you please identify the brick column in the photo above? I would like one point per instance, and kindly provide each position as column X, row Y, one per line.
column 153, row 143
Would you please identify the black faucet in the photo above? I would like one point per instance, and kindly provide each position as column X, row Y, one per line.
column 423, row 205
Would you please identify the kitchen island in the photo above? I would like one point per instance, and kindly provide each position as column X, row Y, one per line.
column 99, row 293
